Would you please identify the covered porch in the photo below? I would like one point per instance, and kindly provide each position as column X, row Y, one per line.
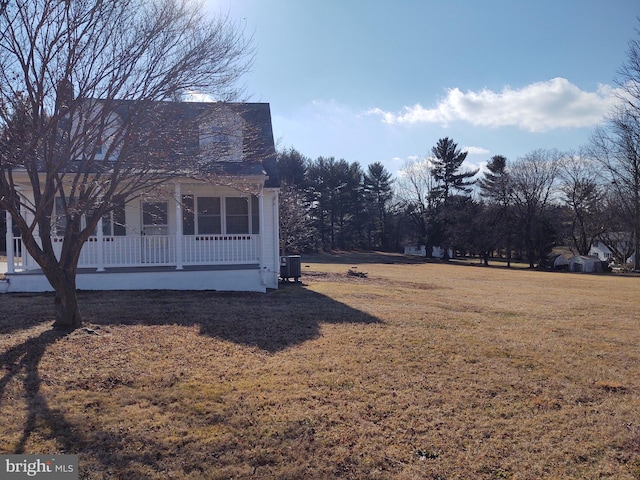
column 169, row 250
column 153, row 262
column 178, row 251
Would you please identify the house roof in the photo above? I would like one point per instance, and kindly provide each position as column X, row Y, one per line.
column 259, row 153
column 175, row 127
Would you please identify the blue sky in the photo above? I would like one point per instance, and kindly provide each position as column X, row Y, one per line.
column 383, row 80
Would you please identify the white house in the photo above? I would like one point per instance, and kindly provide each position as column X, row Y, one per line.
column 212, row 232
column 603, row 252
column 600, row 250
column 421, row 250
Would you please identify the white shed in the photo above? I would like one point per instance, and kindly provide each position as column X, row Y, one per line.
column 585, row 264
column 560, row 262
column 420, row 250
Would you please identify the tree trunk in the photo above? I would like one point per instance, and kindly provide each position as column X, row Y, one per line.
column 66, row 302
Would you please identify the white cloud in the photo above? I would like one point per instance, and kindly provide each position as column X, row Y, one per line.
column 475, row 150
column 193, row 96
column 538, row 107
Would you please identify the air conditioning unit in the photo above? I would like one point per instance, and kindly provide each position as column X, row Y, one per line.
column 290, row 267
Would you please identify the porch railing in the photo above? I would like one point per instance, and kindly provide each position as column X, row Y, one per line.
column 153, row 250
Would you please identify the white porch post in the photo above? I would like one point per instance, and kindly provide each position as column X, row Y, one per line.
column 10, row 243
column 261, row 220
column 100, row 246
column 178, row 197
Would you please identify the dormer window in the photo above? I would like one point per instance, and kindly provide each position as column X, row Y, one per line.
column 220, row 139
column 214, row 137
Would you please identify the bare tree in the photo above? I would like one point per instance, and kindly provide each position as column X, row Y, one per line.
column 616, row 235
column 616, row 145
column 533, row 180
column 297, row 232
column 415, row 194
column 80, row 91
column 584, row 196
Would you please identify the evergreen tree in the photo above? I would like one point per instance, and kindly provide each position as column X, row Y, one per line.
column 377, row 195
column 450, row 180
column 446, row 171
column 335, row 193
column 495, row 190
column 292, row 166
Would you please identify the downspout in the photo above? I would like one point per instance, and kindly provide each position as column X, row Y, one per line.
column 11, row 261
column 276, row 236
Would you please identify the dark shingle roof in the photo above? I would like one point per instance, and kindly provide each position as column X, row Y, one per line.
column 181, row 121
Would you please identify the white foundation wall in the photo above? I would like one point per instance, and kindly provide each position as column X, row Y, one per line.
column 220, row 280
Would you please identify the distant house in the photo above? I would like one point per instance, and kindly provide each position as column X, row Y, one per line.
column 212, row 232
column 620, row 242
column 421, row 250
column 600, row 250
column 438, row 252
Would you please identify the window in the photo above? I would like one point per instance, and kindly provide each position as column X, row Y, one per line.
column 205, row 215
column 113, row 222
column 220, row 135
column 155, row 218
column 60, row 218
column 237, row 214
column 209, row 216
column 188, row 215
column 214, row 140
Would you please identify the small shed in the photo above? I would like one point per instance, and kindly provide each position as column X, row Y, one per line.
column 420, row 250
column 560, row 262
column 585, row 264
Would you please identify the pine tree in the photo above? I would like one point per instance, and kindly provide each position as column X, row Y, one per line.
column 377, row 193
column 450, row 180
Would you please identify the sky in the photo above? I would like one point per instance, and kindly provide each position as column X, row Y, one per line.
column 383, row 80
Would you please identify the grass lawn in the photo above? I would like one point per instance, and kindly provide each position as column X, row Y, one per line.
column 407, row 370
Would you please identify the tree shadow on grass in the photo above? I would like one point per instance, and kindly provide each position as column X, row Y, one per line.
column 22, row 361
column 272, row 322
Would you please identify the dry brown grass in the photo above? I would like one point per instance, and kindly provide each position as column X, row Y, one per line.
column 412, row 371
